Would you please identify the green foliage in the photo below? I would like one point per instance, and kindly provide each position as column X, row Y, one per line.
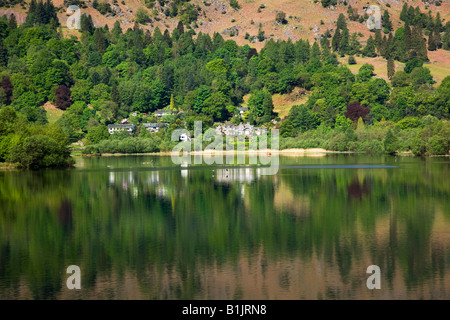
column 409, row 122
column 411, row 64
column 390, row 142
column 327, row 3
column 142, row 16
column 126, row 145
column 235, row 4
column 106, row 75
column 351, row 60
column 365, row 73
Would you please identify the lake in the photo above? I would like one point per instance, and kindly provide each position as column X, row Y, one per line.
column 140, row 227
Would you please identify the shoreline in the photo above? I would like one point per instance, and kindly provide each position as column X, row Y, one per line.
column 292, row 152
column 287, row 152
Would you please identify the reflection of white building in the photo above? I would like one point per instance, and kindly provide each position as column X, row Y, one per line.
column 184, row 172
column 153, row 178
column 243, row 175
column 125, row 179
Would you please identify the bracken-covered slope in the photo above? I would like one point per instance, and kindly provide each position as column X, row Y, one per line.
column 304, row 19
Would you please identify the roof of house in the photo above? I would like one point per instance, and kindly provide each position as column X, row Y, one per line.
column 155, row 124
column 120, row 126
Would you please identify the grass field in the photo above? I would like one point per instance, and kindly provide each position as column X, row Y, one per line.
column 53, row 113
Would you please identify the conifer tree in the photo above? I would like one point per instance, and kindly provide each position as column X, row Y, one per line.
column 100, row 41
column 437, row 29
column 116, row 32
column 344, row 44
column 87, row 24
column 12, row 22
column 418, row 45
column 31, row 13
column 446, row 38
column 172, row 103
column 431, row 42
column 3, row 54
column 383, row 47
column 340, row 23
column 378, row 41
column 115, row 97
column 325, row 46
column 336, row 40
column 315, row 51
column 369, row 49
column 41, row 14
column 404, row 12
column 410, row 15
column 407, row 36
column 387, row 24
column 390, row 68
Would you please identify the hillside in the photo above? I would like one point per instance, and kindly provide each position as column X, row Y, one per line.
column 305, row 19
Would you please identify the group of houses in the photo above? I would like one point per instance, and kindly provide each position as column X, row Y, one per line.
column 240, row 130
column 225, row 130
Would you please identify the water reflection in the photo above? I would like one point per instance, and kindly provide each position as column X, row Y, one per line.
column 305, row 233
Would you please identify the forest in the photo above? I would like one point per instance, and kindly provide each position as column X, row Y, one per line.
column 105, row 76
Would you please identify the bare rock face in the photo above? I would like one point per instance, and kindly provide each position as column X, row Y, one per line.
column 117, row 11
column 234, row 30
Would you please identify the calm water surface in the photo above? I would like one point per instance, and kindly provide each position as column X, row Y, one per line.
column 141, row 228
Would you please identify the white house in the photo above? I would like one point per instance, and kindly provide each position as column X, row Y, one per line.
column 154, row 127
column 112, row 128
column 241, row 129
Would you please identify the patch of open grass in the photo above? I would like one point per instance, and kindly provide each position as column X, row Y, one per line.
column 53, row 115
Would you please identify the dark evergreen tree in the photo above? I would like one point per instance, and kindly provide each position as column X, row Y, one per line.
column 384, row 46
column 386, row 21
column 31, row 13
column 116, row 32
column 3, row 54
column 12, row 22
column 446, row 37
column 418, row 45
column 41, row 13
column 115, row 97
column 325, row 46
column 336, row 40
column 100, row 41
column 437, row 29
column 378, row 41
column 404, row 12
column 407, row 38
column 431, row 42
column 315, row 52
column 344, row 44
column 86, row 24
column 390, row 68
column 410, row 15
column 369, row 49
column 341, row 23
